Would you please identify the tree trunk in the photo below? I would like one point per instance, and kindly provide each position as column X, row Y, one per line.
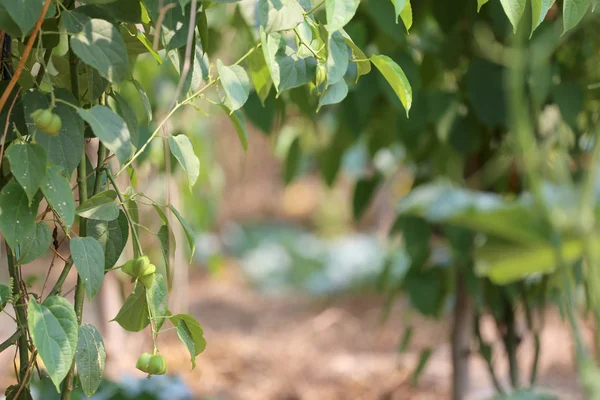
column 461, row 338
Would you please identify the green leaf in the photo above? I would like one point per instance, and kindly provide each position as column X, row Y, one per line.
column 26, row 12
column 363, row 193
column 8, row 24
column 36, row 245
column 426, row 290
column 133, row 316
column 101, row 46
column 506, row 263
column 183, row 150
column 156, row 298
column 480, row 3
column 110, row 128
column 57, row 191
column 337, row 58
column 175, row 21
column 190, row 333
column 395, row 77
column 17, row 216
column 288, row 70
column 514, row 11
column 238, row 121
column 28, row 165
column 101, row 206
column 292, row 161
column 423, row 359
column 487, row 213
column 539, row 9
column 53, row 330
column 573, row 12
column 164, row 239
column 399, row 5
column 339, row 13
column 145, row 100
column 112, row 236
column 260, row 75
column 279, row 15
column 88, row 257
column 363, row 66
column 236, row 84
column 5, row 296
column 90, row 359
column 406, row 16
column 65, row 148
column 404, row 11
column 189, row 233
column 73, row 21
column 128, row 115
column 334, row 94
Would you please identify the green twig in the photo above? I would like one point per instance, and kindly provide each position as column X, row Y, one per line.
column 312, row 10
column 136, row 238
column 10, row 341
column 525, row 138
column 483, row 350
column 177, row 107
column 67, row 384
column 19, row 307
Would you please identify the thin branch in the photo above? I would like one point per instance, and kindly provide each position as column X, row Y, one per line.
column 10, row 341
column 24, row 55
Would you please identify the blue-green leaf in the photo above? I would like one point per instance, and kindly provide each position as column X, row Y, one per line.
column 573, row 12
column 88, row 257
column 339, row 13
column 239, row 123
column 57, row 191
column 236, row 83
column 539, row 9
column 101, row 46
column 17, row 216
column 334, row 94
column 65, row 148
column 90, row 359
column 36, row 244
column 110, row 128
column 133, row 316
column 189, row 233
column 337, row 58
column 53, row 329
column 279, row 15
column 28, row 165
column 514, row 11
column 183, row 150
column 190, row 333
column 101, row 206
column 112, row 236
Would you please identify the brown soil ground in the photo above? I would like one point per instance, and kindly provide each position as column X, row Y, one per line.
column 267, row 347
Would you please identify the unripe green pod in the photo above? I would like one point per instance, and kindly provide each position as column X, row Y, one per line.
column 157, row 365
column 140, row 265
column 42, row 118
column 143, row 362
column 54, row 127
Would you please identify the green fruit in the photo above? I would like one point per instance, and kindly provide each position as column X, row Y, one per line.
column 143, row 362
column 53, row 128
column 128, row 267
column 140, row 265
column 42, row 118
column 147, row 280
column 157, row 365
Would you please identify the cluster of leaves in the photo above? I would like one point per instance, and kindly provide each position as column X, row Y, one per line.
column 457, row 59
column 81, row 61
